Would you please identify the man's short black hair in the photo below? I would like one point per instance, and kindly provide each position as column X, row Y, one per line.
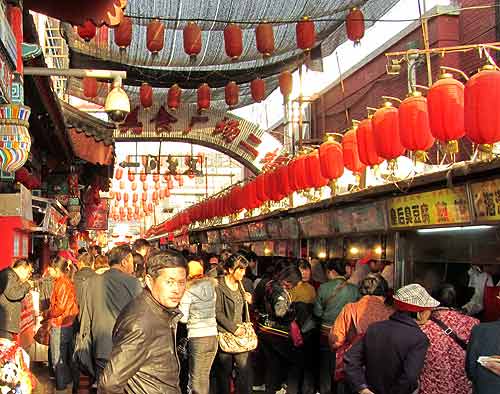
column 140, row 243
column 338, row 265
column 86, row 260
column 21, row 263
column 165, row 259
column 117, row 254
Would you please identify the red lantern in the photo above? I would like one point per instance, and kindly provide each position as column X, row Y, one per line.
column 305, row 34
column 150, row 207
column 331, row 159
column 286, row 83
column 170, row 183
column 155, row 196
column 350, row 153
column 118, row 196
column 135, row 197
column 174, row 97
column 156, row 177
column 262, row 193
column 274, row 185
column 125, row 198
column 258, row 89
column 264, row 35
column 204, row 96
column 155, row 36
column 157, row 186
column 232, row 94
column 366, row 144
column 144, row 197
column 118, row 173
column 123, row 33
column 143, row 177
column 297, row 174
column 131, row 176
column 233, row 41
column 90, row 87
column 414, row 127
column 192, row 39
column 314, row 179
column 133, row 186
column 386, row 132
column 355, row 25
column 167, row 192
column 445, row 101
column 146, row 95
column 482, row 106
column 87, row 31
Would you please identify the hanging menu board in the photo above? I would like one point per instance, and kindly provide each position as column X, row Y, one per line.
column 317, row 225
column 273, row 229
column 486, row 197
column 257, row 231
column 437, row 208
column 289, row 228
column 364, row 218
column 213, row 237
column 240, row 233
column 226, row 235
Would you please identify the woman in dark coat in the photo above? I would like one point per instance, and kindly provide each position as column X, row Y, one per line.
column 230, row 314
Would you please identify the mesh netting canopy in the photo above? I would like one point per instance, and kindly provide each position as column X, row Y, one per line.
column 172, row 65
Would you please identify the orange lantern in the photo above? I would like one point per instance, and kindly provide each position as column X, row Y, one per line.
column 118, row 173
column 192, row 39
column 135, row 197
column 133, row 186
column 232, row 94
column 414, row 126
column 90, row 87
column 386, row 132
column 118, row 196
column 233, row 41
column 123, row 33
column 445, row 101
column 167, row 192
column 350, row 153
column 155, row 36
column 145, row 187
column 157, row 186
column 482, row 106
column 146, row 95
column 131, row 176
column 174, row 97
column 314, row 179
column 204, row 96
column 305, row 33
column 355, row 25
column 156, row 177
column 286, row 83
column 155, row 196
column 144, row 197
column 264, row 35
column 87, row 31
column 366, row 144
column 122, row 185
column 125, row 198
column 331, row 159
column 258, row 89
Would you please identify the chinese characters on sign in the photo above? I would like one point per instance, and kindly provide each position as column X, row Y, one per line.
column 486, row 196
column 440, row 207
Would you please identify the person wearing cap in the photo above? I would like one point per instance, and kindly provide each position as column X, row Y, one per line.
column 390, row 357
column 198, row 310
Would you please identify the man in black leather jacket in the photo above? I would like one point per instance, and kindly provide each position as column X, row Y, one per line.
column 144, row 357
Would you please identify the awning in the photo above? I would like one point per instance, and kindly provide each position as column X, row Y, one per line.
column 88, row 149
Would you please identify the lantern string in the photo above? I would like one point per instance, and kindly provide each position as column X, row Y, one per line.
column 319, row 19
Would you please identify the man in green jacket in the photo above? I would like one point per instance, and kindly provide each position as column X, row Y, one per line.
column 332, row 297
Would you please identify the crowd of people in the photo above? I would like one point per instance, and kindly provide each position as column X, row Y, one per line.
column 140, row 320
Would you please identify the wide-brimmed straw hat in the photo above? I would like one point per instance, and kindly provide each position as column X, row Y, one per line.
column 414, row 298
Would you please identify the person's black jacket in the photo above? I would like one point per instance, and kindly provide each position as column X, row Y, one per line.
column 393, row 353
column 225, row 308
column 144, row 357
column 11, row 297
column 484, row 341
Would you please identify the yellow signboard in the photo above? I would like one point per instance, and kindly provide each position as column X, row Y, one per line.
column 436, row 208
column 486, row 197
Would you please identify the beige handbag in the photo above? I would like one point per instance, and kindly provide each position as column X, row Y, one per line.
column 230, row 343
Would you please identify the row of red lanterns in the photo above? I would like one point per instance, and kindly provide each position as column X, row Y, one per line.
column 143, row 177
column 233, row 35
column 450, row 111
column 204, row 93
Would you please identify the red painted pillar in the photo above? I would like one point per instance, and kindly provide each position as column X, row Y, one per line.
column 15, row 15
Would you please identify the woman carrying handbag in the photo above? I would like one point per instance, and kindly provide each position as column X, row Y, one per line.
column 236, row 337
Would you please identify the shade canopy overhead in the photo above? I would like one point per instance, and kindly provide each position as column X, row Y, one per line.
column 172, row 65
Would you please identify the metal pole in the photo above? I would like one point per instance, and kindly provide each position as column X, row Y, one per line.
column 425, row 34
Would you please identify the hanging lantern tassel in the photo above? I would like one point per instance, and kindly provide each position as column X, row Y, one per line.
column 355, row 25
column 155, row 36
